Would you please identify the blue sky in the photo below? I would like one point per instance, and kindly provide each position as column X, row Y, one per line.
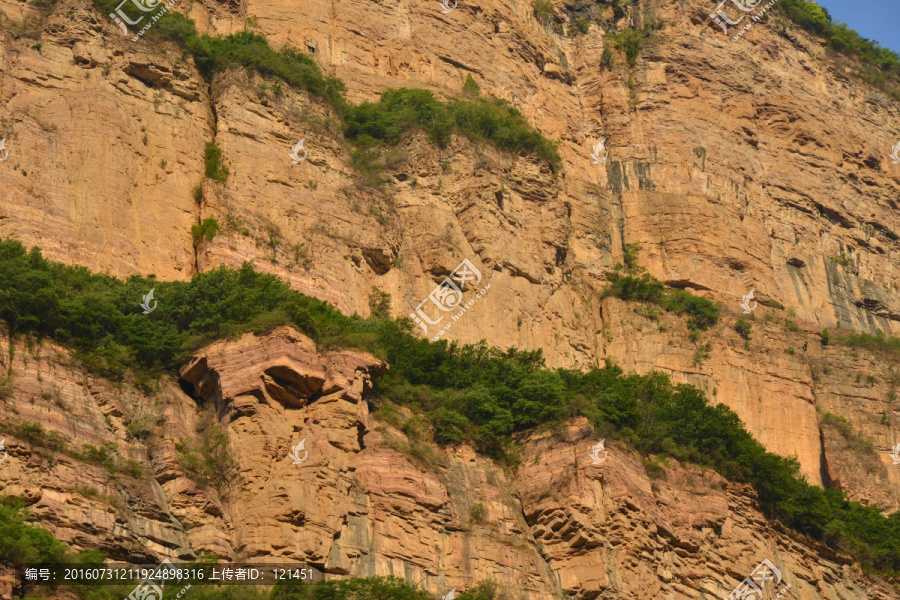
column 874, row 19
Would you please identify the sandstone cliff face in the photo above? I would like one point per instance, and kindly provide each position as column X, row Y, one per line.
column 727, row 185
column 736, row 165
column 359, row 504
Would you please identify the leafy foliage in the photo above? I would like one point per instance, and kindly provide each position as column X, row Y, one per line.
column 399, row 111
column 878, row 343
column 632, row 282
column 212, row 156
column 470, row 88
column 207, row 460
column 881, row 66
column 543, row 10
column 492, row 120
column 21, row 543
column 206, row 230
column 370, row 588
column 631, row 41
column 470, row 393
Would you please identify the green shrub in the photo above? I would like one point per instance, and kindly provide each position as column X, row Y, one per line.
column 105, row 456
column 791, row 326
column 743, row 327
column 402, row 110
column 207, row 459
column 772, row 304
column 826, row 337
column 606, row 59
column 854, row 439
column 632, row 282
column 880, row 66
column 470, row 88
column 876, row 343
column 701, row 312
column 379, row 304
column 206, row 230
column 580, row 27
column 471, row 393
column 653, row 469
column 22, row 544
column 478, row 513
column 631, row 42
column 370, row 588
column 543, row 10
column 215, row 170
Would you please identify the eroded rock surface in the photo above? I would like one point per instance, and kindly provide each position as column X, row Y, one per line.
column 358, row 501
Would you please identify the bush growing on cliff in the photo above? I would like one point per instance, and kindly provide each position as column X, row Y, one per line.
column 215, row 169
column 471, row 393
column 369, row 588
column 881, row 66
column 21, row 543
column 632, row 282
column 399, row 111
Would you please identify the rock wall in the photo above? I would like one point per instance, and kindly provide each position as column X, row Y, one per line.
column 756, row 164
column 360, row 502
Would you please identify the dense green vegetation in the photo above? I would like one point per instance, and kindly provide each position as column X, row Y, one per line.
column 399, row 111
column 471, row 393
column 22, row 544
column 215, row 169
column 632, row 282
column 206, row 230
column 881, row 66
column 876, row 343
column 372, row 123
